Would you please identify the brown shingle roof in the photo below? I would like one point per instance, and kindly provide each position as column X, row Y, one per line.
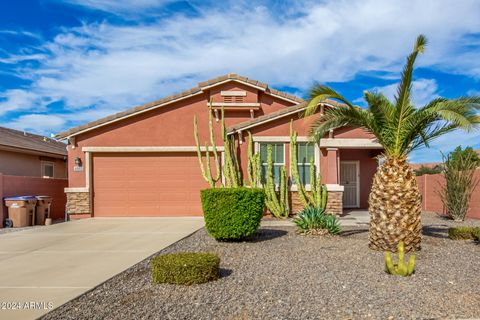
column 28, row 141
column 276, row 115
column 185, row 94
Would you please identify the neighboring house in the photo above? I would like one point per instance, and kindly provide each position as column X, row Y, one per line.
column 31, row 164
column 31, row 155
column 143, row 162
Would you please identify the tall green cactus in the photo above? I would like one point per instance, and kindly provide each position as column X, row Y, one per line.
column 231, row 168
column 318, row 195
column 206, row 170
column 254, row 164
column 401, row 269
column 277, row 204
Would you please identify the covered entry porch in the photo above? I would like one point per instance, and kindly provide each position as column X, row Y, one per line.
column 348, row 173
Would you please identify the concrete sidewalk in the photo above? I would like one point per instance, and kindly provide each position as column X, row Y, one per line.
column 42, row 268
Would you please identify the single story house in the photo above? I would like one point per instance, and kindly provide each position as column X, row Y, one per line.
column 32, row 164
column 143, row 161
column 27, row 154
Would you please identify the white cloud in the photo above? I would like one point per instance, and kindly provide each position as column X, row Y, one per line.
column 38, row 123
column 446, row 144
column 108, row 66
column 423, row 91
column 17, row 100
column 119, row 6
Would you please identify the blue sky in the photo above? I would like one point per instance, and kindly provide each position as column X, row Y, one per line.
column 67, row 62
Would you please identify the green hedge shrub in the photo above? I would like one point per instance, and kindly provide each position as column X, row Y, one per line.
column 463, row 233
column 185, row 268
column 232, row 213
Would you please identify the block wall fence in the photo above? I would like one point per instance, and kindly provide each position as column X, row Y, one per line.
column 430, row 185
column 11, row 186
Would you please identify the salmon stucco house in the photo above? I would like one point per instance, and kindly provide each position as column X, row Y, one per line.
column 143, row 162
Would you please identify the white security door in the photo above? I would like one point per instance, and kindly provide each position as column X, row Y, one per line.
column 349, row 178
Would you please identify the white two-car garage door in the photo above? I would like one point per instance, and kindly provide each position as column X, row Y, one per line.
column 146, row 184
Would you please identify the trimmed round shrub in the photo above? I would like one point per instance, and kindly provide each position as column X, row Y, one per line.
column 463, row 233
column 185, row 268
column 232, row 213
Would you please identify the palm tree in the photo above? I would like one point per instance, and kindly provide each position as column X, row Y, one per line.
column 400, row 127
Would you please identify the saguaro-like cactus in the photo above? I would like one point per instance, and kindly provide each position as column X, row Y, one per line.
column 318, row 193
column 231, row 168
column 277, row 204
column 401, row 268
column 206, row 169
column 254, row 165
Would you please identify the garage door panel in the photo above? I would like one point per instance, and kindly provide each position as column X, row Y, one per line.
column 147, row 185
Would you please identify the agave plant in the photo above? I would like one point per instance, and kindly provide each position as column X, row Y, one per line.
column 315, row 219
column 400, row 127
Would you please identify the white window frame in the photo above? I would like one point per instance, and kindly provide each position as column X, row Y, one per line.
column 286, row 139
column 316, row 163
column 42, row 168
column 257, row 149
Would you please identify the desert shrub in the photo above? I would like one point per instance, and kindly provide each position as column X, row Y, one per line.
column 463, row 233
column 232, row 213
column 459, row 172
column 185, row 268
column 313, row 220
column 476, row 234
column 428, row 170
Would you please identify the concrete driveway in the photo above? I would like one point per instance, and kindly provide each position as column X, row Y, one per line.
column 45, row 267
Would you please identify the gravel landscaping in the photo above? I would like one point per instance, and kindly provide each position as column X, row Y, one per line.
column 281, row 275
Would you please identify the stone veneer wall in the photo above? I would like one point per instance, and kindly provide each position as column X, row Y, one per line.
column 334, row 202
column 78, row 202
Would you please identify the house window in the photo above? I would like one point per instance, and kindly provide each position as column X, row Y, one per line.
column 278, row 157
column 47, row 169
column 305, row 154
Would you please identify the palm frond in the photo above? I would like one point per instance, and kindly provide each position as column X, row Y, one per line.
column 319, row 93
column 403, row 105
column 338, row 117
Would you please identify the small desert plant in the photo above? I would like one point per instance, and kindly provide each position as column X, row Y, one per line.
column 476, row 235
column 185, row 268
column 460, row 181
column 232, row 213
column 428, row 170
column 401, row 268
column 463, row 233
column 312, row 220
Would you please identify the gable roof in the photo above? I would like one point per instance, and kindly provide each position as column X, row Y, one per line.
column 276, row 115
column 177, row 97
column 19, row 141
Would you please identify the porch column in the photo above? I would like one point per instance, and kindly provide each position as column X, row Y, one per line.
column 332, row 165
column 335, row 190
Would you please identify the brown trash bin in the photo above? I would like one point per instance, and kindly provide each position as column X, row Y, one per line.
column 21, row 211
column 42, row 211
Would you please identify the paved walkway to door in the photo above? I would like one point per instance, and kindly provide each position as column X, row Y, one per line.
column 54, row 264
column 349, row 218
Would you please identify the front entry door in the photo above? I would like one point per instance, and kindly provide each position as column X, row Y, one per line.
column 349, row 178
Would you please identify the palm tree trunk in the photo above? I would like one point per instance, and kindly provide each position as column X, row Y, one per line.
column 395, row 207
